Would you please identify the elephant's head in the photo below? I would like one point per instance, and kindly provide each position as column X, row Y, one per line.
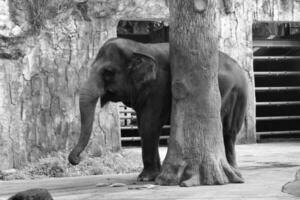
column 118, row 73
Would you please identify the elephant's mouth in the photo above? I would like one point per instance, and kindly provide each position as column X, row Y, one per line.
column 109, row 96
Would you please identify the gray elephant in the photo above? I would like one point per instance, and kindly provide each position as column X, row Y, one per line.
column 139, row 75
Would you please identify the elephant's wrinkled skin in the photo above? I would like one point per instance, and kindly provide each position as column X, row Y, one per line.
column 139, row 75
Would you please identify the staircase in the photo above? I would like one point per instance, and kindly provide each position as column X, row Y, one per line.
column 277, row 87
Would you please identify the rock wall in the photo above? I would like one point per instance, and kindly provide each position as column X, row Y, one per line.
column 276, row 10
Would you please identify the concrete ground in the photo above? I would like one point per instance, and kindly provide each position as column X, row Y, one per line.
column 265, row 168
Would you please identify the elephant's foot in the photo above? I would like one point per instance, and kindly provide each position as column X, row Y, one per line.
column 231, row 158
column 232, row 161
column 148, row 175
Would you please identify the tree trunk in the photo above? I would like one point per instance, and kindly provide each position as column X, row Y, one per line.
column 196, row 154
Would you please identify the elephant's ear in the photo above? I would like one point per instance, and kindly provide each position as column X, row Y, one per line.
column 142, row 69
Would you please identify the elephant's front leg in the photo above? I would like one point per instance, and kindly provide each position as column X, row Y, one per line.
column 149, row 128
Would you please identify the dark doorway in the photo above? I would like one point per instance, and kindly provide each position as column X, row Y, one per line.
column 143, row 31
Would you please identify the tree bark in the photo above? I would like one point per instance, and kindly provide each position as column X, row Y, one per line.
column 196, row 153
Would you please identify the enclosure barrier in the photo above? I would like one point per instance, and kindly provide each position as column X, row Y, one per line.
column 129, row 130
column 277, row 86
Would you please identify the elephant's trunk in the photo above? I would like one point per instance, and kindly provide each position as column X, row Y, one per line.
column 88, row 101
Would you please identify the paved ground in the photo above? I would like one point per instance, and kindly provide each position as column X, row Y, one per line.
column 265, row 167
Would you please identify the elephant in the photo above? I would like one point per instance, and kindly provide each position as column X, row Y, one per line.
column 138, row 75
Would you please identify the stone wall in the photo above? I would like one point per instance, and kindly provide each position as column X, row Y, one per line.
column 276, row 10
column 39, row 105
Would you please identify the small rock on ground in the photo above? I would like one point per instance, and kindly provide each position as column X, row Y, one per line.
column 32, row 194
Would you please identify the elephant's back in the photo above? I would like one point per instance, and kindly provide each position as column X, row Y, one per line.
column 161, row 52
column 231, row 75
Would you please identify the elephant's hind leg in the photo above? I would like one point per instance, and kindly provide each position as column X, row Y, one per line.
column 232, row 123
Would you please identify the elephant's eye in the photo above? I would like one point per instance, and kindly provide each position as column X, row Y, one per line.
column 108, row 74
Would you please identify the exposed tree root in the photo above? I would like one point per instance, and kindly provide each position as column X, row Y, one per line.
column 209, row 172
